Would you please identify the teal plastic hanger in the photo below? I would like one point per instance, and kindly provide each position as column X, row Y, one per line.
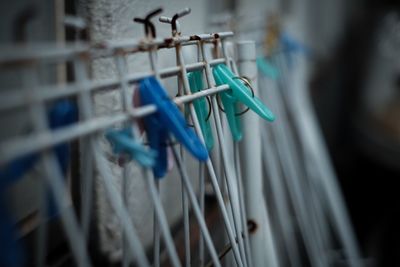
column 196, row 84
column 238, row 93
column 123, row 142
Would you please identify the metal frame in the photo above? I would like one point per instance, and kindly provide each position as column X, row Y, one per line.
column 34, row 96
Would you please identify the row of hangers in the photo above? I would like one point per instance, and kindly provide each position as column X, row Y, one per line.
column 161, row 123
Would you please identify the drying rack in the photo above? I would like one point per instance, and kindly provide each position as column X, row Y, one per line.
column 33, row 96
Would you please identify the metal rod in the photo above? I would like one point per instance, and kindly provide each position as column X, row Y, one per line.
column 13, row 98
column 50, row 53
column 186, row 222
column 57, row 186
column 262, row 241
column 160, row 221
column 86, row 113
column 68, row 218
column 126, row 254
column 243, row 213
column 202, row 207
column 117, row 204
column 196, row 208
column 314, row 203
column 311, row 135
column 156, row 231
column 292, row 179
column 245, row 246
column 21, row 145
column 217, row 121
column 152, row 53
column 198, row 131
column 161, row 217
column 121, row 71
column 276, row 179
column 317, row 215
column 175, row 32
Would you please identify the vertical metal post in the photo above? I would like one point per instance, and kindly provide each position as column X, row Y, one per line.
column 261, row 239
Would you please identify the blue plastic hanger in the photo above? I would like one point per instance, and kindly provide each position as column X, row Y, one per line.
column 61, row 114
column 167, row 119
column 123, row 143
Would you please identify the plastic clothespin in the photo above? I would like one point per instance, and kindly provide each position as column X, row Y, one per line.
column 123, row 142
column 238, row 93
column 196, row 84
column 167, row 119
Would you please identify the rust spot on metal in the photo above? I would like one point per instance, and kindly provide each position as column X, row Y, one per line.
column 120, row 52
column 100, row 45
column 252, row 226
column 195, row 38
column 168, row 40
column 85, row 55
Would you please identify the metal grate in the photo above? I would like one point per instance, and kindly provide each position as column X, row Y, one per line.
column 33, row 97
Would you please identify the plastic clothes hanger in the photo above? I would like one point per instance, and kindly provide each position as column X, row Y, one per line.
column 123, row 142
column 196, row 84
column 239, row 93
column 63, row 113
column 167, row 119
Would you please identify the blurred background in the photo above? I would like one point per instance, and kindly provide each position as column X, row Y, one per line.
column 353, row 53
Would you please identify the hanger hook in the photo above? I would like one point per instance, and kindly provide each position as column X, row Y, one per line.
column 174, row 20
column 149, row 27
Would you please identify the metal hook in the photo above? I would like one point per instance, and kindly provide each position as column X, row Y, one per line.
column 246, row 82
column 174, row 20
column 149, row 27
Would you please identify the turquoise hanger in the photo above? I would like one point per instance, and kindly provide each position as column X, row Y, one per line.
column 123, row 142
column 238, row 92
column 196, row 84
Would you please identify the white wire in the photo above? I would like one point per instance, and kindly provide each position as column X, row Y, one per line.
column 57, row 187
column 160, row 220
column 202, row 208
column 312, row 138
column 117, row 204
column 209, row 164
column 196, row 209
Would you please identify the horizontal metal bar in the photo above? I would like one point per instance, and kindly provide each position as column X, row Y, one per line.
column 20, row 146
column 15, row 98
column 28, row 54
column 22, row 54
column 145, row 44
